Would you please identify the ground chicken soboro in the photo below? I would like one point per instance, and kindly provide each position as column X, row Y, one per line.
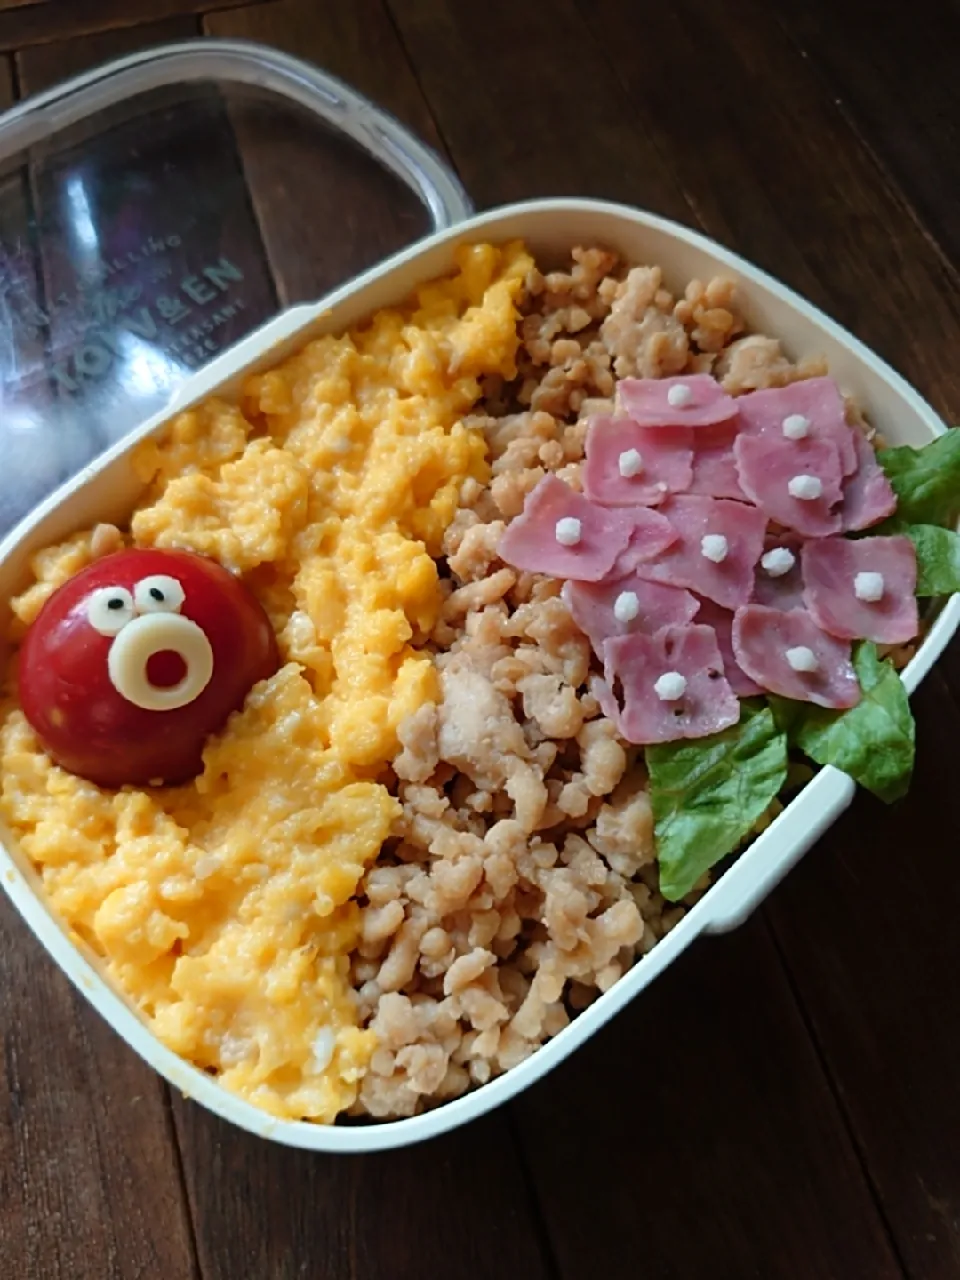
column 425, row 804
column 522, row 881
column 224, row 909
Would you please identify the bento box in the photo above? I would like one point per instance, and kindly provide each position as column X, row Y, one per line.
column 107, row 489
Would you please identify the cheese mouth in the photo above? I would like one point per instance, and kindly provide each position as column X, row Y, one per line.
column 143, row 638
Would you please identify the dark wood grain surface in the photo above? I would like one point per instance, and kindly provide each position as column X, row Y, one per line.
column 324, row 223
column 51, row 21
column 785, row 1101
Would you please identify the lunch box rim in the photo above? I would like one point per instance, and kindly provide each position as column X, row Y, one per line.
column 724, row 906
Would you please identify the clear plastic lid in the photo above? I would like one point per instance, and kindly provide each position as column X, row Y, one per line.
column 157, row 210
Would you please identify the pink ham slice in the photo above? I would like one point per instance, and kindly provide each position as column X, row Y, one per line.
column 816, row 399
column 867, row 495
column 830, row 568
column 591, row 607
column 666, row 455
column 683, row 564
column 714, row 465
column 635, row 664
column 767, row 463
column 761, row 639
column 784, row 593
column 604, row 696
column 647, row 401
column 530, row 540
column 652, row 533
column 711, row 615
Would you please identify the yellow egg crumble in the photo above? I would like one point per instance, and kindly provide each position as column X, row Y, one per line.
column 223, row 908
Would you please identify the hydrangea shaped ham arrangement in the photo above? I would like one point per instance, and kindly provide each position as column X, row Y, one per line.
column 764, row 615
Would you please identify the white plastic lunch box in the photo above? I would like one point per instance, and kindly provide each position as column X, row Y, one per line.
column 106, row 489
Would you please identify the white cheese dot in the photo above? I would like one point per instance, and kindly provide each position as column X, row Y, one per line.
column 806, row 488
column 869, row 587
column 568, row 531
column 778, row 561
column 670, row 687
column 796, row 426
column 626, row 606
column 714, row 546
column 803, row 659
column 631, row 464
column 679, row 396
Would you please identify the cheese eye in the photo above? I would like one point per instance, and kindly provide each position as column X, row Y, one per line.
column 158, row 594
column 109, row 609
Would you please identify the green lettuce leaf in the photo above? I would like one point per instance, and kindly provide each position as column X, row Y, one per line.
column 873, row 742
column 926, row 481
column 708, row 794
column 938, row 558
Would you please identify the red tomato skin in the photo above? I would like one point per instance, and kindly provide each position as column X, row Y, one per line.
column 81, row 719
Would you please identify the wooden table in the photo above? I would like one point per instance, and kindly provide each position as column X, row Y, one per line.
column 786, row 1101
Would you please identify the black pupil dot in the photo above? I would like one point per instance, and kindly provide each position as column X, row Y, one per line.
column 156, row 593
column 115, row 603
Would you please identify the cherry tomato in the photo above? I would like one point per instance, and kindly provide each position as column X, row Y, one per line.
column 133, row 663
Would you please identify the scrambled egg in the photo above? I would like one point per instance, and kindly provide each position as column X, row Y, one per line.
column 223, row 909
